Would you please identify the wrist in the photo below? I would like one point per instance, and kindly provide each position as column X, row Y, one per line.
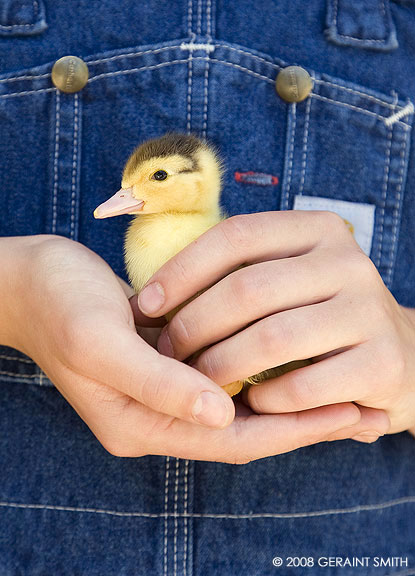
column 14, row 286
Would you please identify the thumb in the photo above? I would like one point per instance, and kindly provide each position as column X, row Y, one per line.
column 127, row 363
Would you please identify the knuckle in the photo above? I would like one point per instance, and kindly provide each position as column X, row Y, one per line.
column 302, row 389
column 363, row 269
column 237, row 232
column 212, row 364
column 182, row 330
column 243, row 287
column 156, row 390
column 332, row 222
column 275, row 333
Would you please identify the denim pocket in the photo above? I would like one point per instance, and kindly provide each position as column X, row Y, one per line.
column 348, row 143
column 22, row 17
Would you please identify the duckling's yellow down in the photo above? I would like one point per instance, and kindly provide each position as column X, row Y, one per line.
column 175, row 183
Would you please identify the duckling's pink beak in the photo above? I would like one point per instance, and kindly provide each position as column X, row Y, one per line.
column 123, row 202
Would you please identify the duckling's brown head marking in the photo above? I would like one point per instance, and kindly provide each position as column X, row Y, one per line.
column 171, row 144
column 173, row 173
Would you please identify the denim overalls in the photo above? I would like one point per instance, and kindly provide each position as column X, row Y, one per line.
column 67, row 507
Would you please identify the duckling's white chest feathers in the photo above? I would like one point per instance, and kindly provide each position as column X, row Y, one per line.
column 153, row 239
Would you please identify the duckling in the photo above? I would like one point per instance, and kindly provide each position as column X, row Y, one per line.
column 172, row 185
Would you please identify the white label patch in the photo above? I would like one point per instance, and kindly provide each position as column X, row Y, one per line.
column 360, row 216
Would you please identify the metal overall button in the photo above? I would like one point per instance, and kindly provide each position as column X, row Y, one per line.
column 293, row 84
column 70, row 74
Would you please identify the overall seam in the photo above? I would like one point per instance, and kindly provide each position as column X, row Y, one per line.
column 199, row 18
column 247, row 70
column 55, row 163
column 305, row 146
column 192, row 36
column 13, row 358
column 292, row 112
column 363, row 110
column 27, row 92
column 176, row 521
column 395, row 220
column 25, row 77
column 74, row 166
column 384, row 194
column 185, row 509
column 280, row 516
column 166, row 504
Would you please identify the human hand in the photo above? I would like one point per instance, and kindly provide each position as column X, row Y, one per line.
column 71, row 314
column 309, row 292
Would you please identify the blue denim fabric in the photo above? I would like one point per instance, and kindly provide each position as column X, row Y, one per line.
column 67, row 507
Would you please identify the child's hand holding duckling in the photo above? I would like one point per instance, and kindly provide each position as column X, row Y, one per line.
column 62, row 305
column 310, row 292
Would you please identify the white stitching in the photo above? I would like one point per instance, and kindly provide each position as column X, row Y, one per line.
column 186, row 475
column 132, row 70
column 205, row 98
column 74, row 167
column 189, row 93
column 4, row 373
column 260, row 58
column 55, row 164
column 176, row 523
column 367, row 96
column 27, row 92
column 226, row 63
column 305, row 146
column 363, row 110
column 384, row 193
column 25, row 360
column 282, row 516
column 290, row 157
column 247, row 70
column 405, row 111
column 25, row 77
column 209, row 19
column 353, row 37
column 396, row 212
column 166, row 502
column 192, row 46
column 199, row 17
column 190, row 17
column 131, row 54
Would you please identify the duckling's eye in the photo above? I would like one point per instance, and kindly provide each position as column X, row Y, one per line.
column 159, row 175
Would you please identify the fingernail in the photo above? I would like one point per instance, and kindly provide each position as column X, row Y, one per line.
column 368, row 436
column 164, row 345
column 151, row 298
column 211, row 410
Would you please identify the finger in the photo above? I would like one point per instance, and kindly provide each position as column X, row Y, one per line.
column 281, row 338
column 141, row 319
column 246, row 295
column 122, row 360
column 128, row 291
column 247, row 438
column 352, row 375
column 243, row 239
column 373, row 424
